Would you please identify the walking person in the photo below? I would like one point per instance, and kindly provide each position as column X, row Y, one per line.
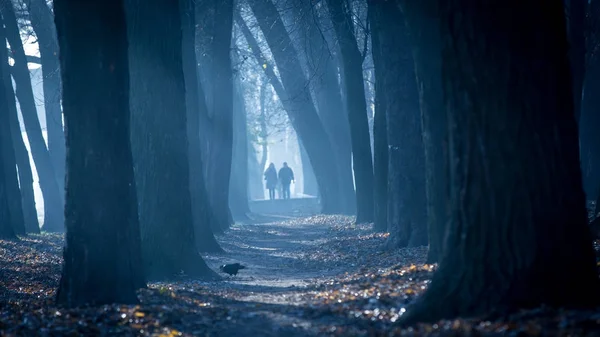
column 271, row 180
column 286, row 177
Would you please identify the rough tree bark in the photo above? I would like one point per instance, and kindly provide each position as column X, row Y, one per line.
column 30, row 218
column 221, row 114
column 516, row 194
column 424, row 27
column 380, row 138
column 159, row 141
column 102, row 255
column 194, row 97
column 296, row 100
column 353, row 82
column 53, row 201
column 407, row 200
column 41, row 18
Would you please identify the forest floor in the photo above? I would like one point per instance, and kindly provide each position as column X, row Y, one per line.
column 306, row 276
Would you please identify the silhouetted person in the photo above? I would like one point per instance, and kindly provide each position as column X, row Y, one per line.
column 271, row 180
column 286, row 176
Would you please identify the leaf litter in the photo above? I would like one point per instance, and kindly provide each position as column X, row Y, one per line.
column 320, row 275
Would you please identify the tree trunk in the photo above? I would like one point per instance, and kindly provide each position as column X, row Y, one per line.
column 41, row 18
column 516, row 194
column 102, row 255
column 221, row 141
column 407, row 200
column 194, row 97
column 353, row 83
column 588, row 131
column 11, row 212
column 423, row 22
column 238, row 187
column 32, row 224
column 380, row 139
column 296, row 99
column 53, row 202
column 6, row 229
column 576, row 33
column 159, row 141
column 7, row 149
column 310, row 182
column 322, row 74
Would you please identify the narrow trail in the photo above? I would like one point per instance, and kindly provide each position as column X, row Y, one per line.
column 273, row 249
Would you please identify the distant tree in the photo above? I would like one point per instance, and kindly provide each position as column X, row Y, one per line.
column 53, row 200
column 195, row 107
column 518, row 235
column 21, row 155
column 8, row 226
column 354, row 88
column 102, row 255
column 296, row 99
column 7, row 150
column 42, row 22
column 307, row 29
column 238, row 187
column 160, row 142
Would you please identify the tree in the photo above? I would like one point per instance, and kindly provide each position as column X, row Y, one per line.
column 7, row 152
column 53, row 200
column 517, row 204
column 25, row 182
column 424, row 31
column 102, row 256
column 356, row 105
column 380, row 139
column 221, row 114
column 160, row 142
column 296, row 99
column 195, row 103
column 41, row 19
column 322, row 74
column 407, row 211
column 238, row 186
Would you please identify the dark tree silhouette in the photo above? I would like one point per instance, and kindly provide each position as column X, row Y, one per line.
column 407, row 221
column 195, row 102
column 160, row 142
column 42, row 21
column 353, row 83
column 380, row 139
column 423, row 20
column 8, row 219
column 53, row 199
column 518, row 209
column 102, row 255
column 221, row 114
column 21, row 154
column 7, row 151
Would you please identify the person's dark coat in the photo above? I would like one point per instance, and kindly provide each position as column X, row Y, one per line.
column 286, row 175
column 271, row 178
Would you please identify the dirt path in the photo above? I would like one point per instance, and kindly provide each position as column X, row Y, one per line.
column 274, row 249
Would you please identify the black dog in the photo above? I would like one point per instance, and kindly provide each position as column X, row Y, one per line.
column 231, row 269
